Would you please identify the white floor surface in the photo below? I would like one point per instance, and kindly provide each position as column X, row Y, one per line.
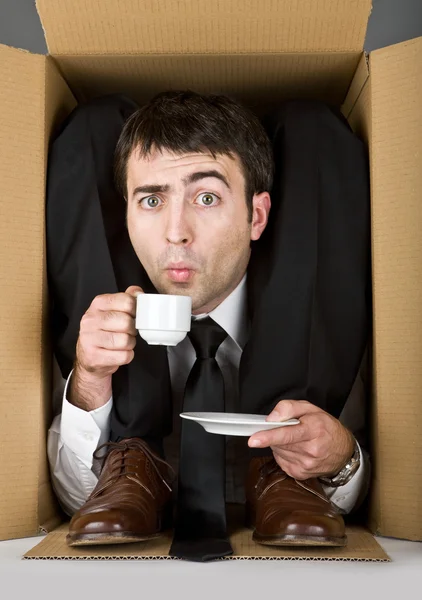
column 238, row 580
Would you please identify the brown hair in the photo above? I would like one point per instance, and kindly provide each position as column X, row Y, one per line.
column 186, row 121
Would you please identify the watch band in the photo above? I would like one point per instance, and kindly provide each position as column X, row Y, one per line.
column 346, row 473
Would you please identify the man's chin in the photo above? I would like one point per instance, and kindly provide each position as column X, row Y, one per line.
column 183, row 289
column 176, row 289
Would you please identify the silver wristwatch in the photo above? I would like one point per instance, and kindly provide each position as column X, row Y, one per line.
column 346, row 473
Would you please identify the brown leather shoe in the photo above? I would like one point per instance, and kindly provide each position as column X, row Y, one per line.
column 131, row 500
column 287, row 512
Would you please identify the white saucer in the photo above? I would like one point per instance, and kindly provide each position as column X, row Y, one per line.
column 234, row 423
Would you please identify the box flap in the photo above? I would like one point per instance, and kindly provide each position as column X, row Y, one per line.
column 203, row 26
column 21, row 268
column 396, row 159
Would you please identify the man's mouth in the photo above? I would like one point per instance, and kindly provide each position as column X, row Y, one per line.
column 179, row 273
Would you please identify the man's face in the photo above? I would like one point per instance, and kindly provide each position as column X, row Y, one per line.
column 188, row 223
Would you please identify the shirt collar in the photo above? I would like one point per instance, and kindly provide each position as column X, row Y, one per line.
column 232, row 316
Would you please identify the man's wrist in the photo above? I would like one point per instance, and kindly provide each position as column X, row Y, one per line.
column 346, row 473
column 88, row 391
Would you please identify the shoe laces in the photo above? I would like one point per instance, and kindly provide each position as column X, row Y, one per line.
column 124, row 465
column 269, row 467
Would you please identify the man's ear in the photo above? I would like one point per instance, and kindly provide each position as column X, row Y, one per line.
column 261, row 204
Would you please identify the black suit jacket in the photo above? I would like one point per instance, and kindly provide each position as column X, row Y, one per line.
column 308, row 277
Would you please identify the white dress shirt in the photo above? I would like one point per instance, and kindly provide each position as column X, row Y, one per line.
column 75, row 434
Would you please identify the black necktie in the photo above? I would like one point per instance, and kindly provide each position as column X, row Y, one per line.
column 200, row 530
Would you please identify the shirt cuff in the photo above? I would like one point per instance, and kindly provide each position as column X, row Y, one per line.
column 346, row 497
column 83, row 431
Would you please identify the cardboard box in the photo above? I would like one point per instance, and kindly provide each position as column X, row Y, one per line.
column 262, row 51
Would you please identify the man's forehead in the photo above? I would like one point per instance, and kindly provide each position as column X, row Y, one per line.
column 165, row 160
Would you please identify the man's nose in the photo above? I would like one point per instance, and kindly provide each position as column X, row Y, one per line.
column 178, row 227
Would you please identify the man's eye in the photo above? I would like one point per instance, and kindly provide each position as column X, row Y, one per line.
column 208, row 199
column 150, row 202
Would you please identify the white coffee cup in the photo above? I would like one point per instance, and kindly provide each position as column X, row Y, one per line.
column 163, row 319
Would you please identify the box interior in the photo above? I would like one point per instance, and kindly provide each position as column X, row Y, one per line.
column 261, row 54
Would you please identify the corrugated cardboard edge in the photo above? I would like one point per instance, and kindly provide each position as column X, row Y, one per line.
column 357, row 108
column 381, row 106
column 59, row 102
column 203, row 26
column 28, row 504
column 396, row 173
column 21, row 183
column 362, row 546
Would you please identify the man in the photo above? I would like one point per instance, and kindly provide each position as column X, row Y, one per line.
column 196, row 173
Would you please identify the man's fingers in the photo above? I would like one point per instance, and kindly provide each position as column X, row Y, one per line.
column 282, row 436
column 290, row 464
column 293, row 467
column 108, row 359
column 291, row 409
column 134, row 290
column 121, row 302
column 118, row 322
column 298, row 465
column 111, row 340
column 111, row 321
column 287, row 456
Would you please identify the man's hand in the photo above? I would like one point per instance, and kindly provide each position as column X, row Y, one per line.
column 319, row 446
column 107, row 333
column 107, row 337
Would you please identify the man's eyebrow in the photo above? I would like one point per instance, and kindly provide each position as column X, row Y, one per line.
column 150, row 189
column 193, row 177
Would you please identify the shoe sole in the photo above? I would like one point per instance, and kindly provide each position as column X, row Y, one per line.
column 99, row 539
column 299, row 540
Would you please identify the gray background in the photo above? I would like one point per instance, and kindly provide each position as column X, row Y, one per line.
column 391, row 21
